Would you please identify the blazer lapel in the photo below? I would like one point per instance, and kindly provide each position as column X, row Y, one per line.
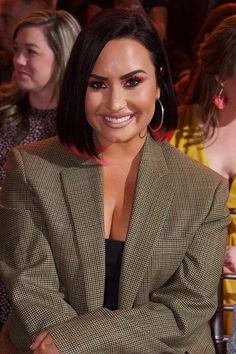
column 153, row 197
column 84, row 193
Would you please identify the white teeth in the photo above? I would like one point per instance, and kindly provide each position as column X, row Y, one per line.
column 117, row 120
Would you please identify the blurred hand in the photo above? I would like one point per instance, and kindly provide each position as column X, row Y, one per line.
column 6, row 346
column 230, row 260
column 43, row 344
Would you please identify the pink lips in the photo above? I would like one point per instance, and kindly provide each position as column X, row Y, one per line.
column 22, row 73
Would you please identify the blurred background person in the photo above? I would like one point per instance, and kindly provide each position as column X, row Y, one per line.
column 186, row 18
column 10, row 12
column 42, row 44
column 156, row 9
column 214, row 17
column 207, row 124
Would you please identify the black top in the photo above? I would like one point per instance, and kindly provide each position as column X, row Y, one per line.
column 114, row 250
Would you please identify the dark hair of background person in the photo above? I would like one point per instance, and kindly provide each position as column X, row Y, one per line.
column 184, row 85
column 214, row 17
column 72, row 126
column 215, row 64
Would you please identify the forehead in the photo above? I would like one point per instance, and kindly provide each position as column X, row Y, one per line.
column 34, row 34
column 124, row 54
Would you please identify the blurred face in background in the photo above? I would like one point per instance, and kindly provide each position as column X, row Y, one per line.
column 10, row 12
column 34, row 61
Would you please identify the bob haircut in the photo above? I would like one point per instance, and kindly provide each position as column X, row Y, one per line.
column 72, row 126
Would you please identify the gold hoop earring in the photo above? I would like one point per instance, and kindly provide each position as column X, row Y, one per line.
column 162, row 119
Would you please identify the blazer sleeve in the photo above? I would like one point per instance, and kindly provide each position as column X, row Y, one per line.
column 26, row 261
column 165, row 324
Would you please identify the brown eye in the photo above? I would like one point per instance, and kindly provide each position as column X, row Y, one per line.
column 133, row 81
column 96, row 85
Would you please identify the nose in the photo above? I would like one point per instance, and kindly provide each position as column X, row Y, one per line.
column 116, row 99
column 19, row 59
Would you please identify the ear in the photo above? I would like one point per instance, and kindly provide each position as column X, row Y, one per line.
column 158, row 93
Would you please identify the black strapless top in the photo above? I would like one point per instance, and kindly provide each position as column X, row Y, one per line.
column 114, row 251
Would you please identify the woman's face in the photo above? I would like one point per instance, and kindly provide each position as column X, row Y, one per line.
column 121, row 93
column 34, row 61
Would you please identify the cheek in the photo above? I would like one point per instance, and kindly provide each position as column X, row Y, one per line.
column 230, row 88
column 230, row 93
column 87, row 104
column 14, row 61
column 93, row 100
column 46, row 64
column 146, row 99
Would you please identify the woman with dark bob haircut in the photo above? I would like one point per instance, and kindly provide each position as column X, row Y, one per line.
column 113, row 25
column 112, row 241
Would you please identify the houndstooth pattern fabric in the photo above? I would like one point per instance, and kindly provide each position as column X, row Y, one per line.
column 52, row 252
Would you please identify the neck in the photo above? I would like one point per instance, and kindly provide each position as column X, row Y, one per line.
column 123, row 153
column 227, row 116
column 42, row 101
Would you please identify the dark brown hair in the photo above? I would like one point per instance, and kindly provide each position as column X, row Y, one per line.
column 73, row 128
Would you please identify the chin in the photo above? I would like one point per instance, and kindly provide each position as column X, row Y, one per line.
column 23, row 87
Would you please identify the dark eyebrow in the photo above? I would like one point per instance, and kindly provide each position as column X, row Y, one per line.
column 123, row 77
column 126, row 76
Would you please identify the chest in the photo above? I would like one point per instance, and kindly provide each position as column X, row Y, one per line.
column 119, row 190
column 221, row 153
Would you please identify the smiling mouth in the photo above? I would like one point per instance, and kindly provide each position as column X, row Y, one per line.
column 119, row 120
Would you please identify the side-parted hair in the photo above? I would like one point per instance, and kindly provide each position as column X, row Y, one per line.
column 216, row 63
column 61, row 30
column 72, row 126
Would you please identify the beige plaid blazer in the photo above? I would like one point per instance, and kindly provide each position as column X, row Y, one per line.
column 52, row 252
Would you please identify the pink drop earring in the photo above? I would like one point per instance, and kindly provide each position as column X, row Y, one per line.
column 220, row 100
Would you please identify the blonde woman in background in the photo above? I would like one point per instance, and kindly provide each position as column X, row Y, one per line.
column 11, row 11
